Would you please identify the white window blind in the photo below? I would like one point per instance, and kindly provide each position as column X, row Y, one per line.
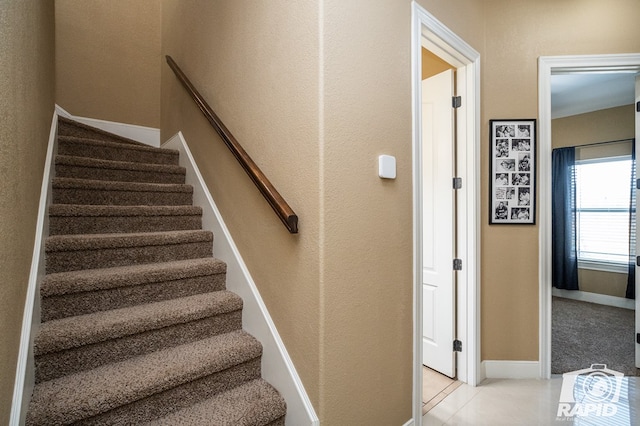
column 602, row 212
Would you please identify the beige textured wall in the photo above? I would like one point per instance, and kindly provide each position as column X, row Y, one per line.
column 108, row 59
column 366, row 280
column 256, row 63
column 315, row 92
column 517, row 33
column 26, row 108
column 510, row 36
column 609, row 124
column 463, row 17
column 602, row 282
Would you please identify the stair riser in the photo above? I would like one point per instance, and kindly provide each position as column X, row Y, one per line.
column 66, row 225
column 120, row 198
column 57, row 364
column 78, row 131
column 79, row 149
column 95, row 173
column 163, row 403
column 83, row 303
column 62, row 261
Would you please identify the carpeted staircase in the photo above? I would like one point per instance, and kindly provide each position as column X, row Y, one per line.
column 137, row 327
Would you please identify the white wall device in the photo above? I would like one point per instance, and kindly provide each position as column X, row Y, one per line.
column 387, row 167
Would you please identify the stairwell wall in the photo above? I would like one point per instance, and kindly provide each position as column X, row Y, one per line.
column 108, row 60
column 315, row 91
column 256, row 64
column 27, row 84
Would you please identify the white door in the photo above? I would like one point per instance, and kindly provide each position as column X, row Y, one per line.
column 438, row 223
column 637, row 227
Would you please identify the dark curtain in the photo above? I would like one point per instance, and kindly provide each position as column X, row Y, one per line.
column 631, row 277
column 564, row 263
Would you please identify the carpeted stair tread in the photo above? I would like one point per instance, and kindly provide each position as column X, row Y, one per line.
column 97, row 192
column 70, row 127
column 97, row 185
column 84, row 291
column 82, row 330
column 116, row 151
column 99, row 219
column 97, row 169
column 124, row 276
column 86, row 210
column 103, row 241
column 136, row 322
column 89, row 393
column 96, row 251
column 254, row 403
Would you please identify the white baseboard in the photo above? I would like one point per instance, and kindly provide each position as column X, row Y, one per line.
column 278, row 369
column 146, row 135
column 511, row 369
column 25, row 369
column 410, row 423
column 601, row 299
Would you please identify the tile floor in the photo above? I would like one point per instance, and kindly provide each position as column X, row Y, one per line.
column 525, row 402
column 435, row 387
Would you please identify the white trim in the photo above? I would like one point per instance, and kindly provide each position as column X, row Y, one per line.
column 25, row 370
column 511, row 369
column 595, row 265
column 278, row 369
column 409, row 423
column 546, row 66
column 146, row 135
column 428, row 31
column 600, row 299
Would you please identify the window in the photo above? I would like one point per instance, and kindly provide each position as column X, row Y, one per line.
column 602, row 213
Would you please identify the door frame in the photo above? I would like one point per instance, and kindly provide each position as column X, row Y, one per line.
column 427, row 31
column 546, row 66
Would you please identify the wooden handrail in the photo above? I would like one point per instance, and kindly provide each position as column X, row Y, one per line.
column 273, row 197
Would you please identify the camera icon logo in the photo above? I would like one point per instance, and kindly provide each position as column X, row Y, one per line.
column 593, row 391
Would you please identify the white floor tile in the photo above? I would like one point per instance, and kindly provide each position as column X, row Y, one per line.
column 521, row 402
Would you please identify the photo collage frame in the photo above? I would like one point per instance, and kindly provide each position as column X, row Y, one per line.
column 512, row 171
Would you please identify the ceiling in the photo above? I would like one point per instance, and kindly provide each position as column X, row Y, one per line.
column 578, row 93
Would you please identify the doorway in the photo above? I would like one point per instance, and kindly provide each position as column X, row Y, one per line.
column 549, row 66
column 429, row 33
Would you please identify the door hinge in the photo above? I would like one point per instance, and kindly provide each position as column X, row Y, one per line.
column 457, row 101
column 457, row 264
column 638, row 106
column 457, row 183
column 637, row 337
column 637, row 183
column 457, row 346
column 637, row 260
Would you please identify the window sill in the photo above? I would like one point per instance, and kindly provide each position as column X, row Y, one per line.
column 620, row 268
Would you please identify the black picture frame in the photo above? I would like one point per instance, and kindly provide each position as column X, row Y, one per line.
column 512, row 172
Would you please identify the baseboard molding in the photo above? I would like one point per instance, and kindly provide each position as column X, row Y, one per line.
column 25, row 369
column 601, row 299
column 278, row 369
column 511, row 369
column 146, row 135
column 410, row 423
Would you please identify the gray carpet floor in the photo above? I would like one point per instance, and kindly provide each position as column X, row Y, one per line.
column 587, row 333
